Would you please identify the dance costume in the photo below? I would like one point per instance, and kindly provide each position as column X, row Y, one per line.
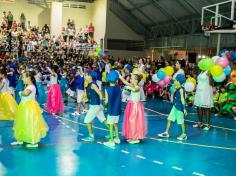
column 94, row 105
column 134, row 125
column 54, row 102
column 63, row 85
column 29, row 125
column 8, row 105
column 79, row 82
column 41, row 96
column 114, row 104
column 177, row 111
column 12, row 82
column 125, row 92
column 19, row 87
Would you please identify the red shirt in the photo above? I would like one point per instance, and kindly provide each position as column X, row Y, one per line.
column 90, row 28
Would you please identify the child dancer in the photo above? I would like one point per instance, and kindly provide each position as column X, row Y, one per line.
column 79, row 82
column 113, row 100
column 54, row 102
column 134, row 125
column 41, row 96
column 95, row 105
column 19, row 87
column 178, row 111
column 29, row 125
column 8, row 105
column 64, row 85
column 127, row 77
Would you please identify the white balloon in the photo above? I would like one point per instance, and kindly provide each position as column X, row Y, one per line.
column 155, row 78
column 189, row 87
column 214, row 58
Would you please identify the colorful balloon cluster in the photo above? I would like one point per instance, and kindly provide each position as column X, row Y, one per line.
column 163, row 76
column 218, row 66
column 99, row 53
column 190, row 84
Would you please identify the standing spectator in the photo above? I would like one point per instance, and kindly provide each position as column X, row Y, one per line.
column 4, row 22
column 46, row 29
column 71, row 33
column 14, row 25
column 4, row 15
column 64, row 34
column 29, row 27
column 86, row 34
column 68, row 24
column 9, row 19
column 73, row 24
column 22, row 21
column 91, row 30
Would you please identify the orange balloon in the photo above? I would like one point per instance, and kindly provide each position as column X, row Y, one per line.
column 233, row 77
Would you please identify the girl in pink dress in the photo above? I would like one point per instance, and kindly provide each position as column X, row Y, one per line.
column 134, row 125
column 54, row 101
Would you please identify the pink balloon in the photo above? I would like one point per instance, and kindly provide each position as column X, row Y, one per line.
column 161, row 83
column 104, row 55
column 222, row 61
column 228, row 55
column 167, row 79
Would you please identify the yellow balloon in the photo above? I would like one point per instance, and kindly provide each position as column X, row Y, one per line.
column 216, row 70
column 95, row 54
column 98, row 49
column 135, row 70
column 169, row 70
column 192, row 80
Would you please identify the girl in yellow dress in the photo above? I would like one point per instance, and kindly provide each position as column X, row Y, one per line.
column 29, row 125
column 8, row 105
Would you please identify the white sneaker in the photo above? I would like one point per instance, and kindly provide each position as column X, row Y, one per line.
column 164, row 135
column 207, row 128
column 32, row 145
column 182, row 137
column 75, row 113
column 84, row 111
column 234, row 118
column 134, row 141
column 117, row 141
column 109, row 144
column 198, row 125
column 17, row 143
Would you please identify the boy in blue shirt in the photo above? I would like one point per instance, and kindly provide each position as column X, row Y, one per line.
column 178, row 110
column 79, row 83
column 113, row 100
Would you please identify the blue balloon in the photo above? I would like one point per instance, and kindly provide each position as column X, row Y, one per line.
column 100, row 53
column 172, row 89
column 233, row 55
column 161, row 75
column 227, row 70
column 222, row 52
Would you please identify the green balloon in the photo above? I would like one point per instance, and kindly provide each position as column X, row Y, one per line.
column 205, row 64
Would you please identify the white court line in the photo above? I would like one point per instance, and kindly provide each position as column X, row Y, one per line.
column 124, row 151
column 74, row 130
column 157, row 162
column 139, row 156
column 177, row 168
column 198, row 174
